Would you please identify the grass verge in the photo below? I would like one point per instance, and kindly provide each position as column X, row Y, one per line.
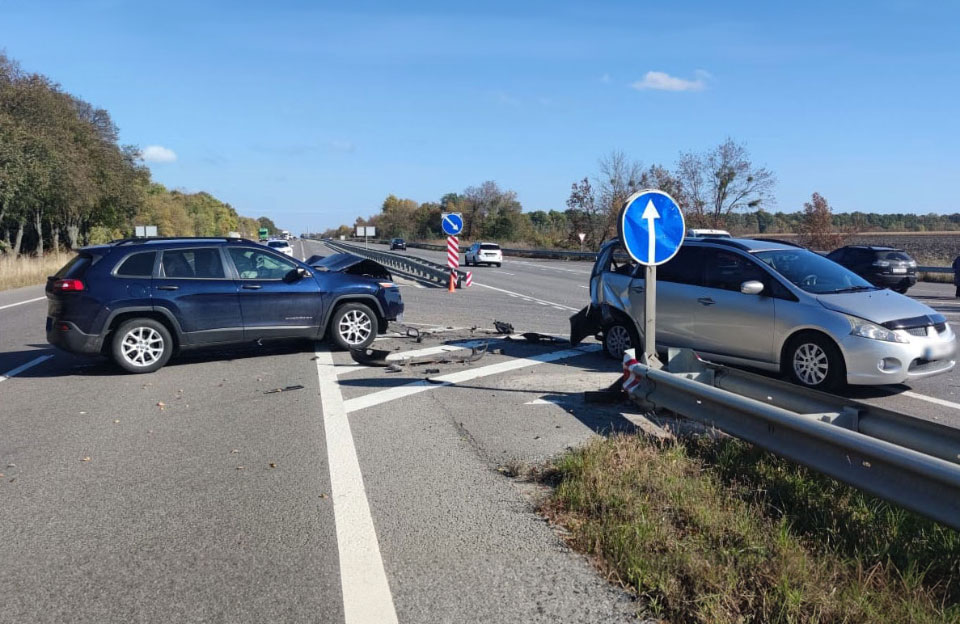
column 718, row 531
column 28, row 270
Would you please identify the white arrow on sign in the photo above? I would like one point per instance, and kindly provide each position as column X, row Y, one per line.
column 650, row 214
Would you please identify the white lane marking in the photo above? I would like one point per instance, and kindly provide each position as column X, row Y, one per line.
column 20, row 369
column 390, row 394
column 366, row 592
column 10, row 305
column 527, row 297
column 344, row 369
column 542, row 401
column 923, row 397
column 505, row 273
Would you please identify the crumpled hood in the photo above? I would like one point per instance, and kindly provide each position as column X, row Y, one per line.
column 349, row 263
column 876, row 306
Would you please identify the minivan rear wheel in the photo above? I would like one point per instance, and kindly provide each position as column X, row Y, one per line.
column 814, row 361
column 141, row 345
column 618, row 336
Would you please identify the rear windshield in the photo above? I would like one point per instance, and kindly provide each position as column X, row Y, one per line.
column 490, row 247
column 75, row 268
column 278, row 244
column 893, row 255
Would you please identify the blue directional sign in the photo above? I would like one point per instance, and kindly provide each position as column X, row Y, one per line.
column 651, row 227
column 452, row 223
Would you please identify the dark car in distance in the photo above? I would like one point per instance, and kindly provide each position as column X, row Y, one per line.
column 886, row 267
column 398, row 243
column 142, row 300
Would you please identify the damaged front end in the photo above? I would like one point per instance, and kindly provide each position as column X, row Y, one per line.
column 349, row 264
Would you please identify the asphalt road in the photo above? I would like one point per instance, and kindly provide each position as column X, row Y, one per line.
column 189, row 495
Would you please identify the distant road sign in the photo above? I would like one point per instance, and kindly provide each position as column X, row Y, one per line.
column 582, row 236
column 651, row 227
column 452, row 223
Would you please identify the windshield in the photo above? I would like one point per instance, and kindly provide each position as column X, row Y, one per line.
column 812, row 272
column 278, row 244
column 490, row 247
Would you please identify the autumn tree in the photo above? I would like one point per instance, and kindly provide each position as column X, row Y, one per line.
column 817, row 230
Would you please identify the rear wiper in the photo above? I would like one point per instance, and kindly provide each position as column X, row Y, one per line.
column 852, row 289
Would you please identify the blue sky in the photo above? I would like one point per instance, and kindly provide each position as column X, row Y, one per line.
column 312, row 112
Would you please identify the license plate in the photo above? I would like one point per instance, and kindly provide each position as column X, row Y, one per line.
column 899, row 270
column 939, row 351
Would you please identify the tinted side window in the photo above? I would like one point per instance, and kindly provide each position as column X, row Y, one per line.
column 837, row 255
column 137, row 265
column 198, row 263
column 684, row 268
column 255, row 264
column 728, row 270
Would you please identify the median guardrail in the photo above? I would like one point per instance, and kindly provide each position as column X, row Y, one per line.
column 409, row 265
column 905, row 460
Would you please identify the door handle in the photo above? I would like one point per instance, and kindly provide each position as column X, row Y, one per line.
column 252, row 286
column 168, row 288
column 707, row 301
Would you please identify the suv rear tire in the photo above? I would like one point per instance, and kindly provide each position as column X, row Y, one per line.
column 141, row 345
column 618, row 336
column 814, row 361
column 353, row 326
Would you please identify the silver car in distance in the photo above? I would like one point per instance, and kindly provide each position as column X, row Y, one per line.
column 773, row 306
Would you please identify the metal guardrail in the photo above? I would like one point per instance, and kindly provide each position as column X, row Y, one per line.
column 409, row 265
column 905, row 460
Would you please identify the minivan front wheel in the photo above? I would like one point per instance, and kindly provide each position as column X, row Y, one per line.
column 141, row 345
column 814, row 361
column 618, row 336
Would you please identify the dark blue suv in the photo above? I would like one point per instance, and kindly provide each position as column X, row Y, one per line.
column 142, row 300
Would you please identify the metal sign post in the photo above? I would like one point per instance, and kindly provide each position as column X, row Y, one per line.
column 452, row 224
column 651, row 231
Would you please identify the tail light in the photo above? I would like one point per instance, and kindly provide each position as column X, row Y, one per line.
column 68, row 285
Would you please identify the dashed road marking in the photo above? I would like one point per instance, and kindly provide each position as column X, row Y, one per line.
column 366, row 591
column 16, row 371
column 527, row 297
column 10, row 305
column 923, row 397
column 398, row 392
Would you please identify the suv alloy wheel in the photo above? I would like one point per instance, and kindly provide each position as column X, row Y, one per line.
column 353, row 326
column 141, row 345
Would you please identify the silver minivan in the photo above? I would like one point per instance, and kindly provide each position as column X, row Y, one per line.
column 773, row 306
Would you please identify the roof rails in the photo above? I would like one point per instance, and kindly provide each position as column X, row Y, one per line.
column 142, row 239
column 778, row 241
column 727, row 242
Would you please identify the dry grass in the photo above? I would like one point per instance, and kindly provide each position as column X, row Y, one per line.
column 717, row 531
column 28, row 270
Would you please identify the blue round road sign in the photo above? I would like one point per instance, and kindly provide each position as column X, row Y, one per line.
column 452, row 223
column 651, row 227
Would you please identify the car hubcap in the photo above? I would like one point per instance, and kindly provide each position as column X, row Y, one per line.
column 355, row 327
column 810, row 364
column 142, row 346
column 618, row 340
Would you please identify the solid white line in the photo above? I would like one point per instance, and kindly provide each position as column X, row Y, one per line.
column 20, row 369
column 10, row 305
column 416, row 387
column 366, row 592
column 514, row 294
column 923, row 397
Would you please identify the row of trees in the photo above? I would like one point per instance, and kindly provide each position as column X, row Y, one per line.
column 720, row 187
column 62, row 171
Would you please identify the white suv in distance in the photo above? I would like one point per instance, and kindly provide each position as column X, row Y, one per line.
column 483, row 253
column 282, row 246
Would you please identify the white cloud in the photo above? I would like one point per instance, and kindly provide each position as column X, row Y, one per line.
column 662, row 81
column 158, row 154
column 605, row 79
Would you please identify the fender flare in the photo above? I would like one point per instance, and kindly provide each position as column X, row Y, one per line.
column 159, row 309
column 359, row 298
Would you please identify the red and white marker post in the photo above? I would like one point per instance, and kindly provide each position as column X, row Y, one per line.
column 453, row 259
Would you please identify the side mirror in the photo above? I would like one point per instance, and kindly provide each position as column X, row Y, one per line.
column 295, row 275
column 752, row 287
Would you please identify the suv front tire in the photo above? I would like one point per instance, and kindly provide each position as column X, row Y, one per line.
column 353, row 326
column 141, row 345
